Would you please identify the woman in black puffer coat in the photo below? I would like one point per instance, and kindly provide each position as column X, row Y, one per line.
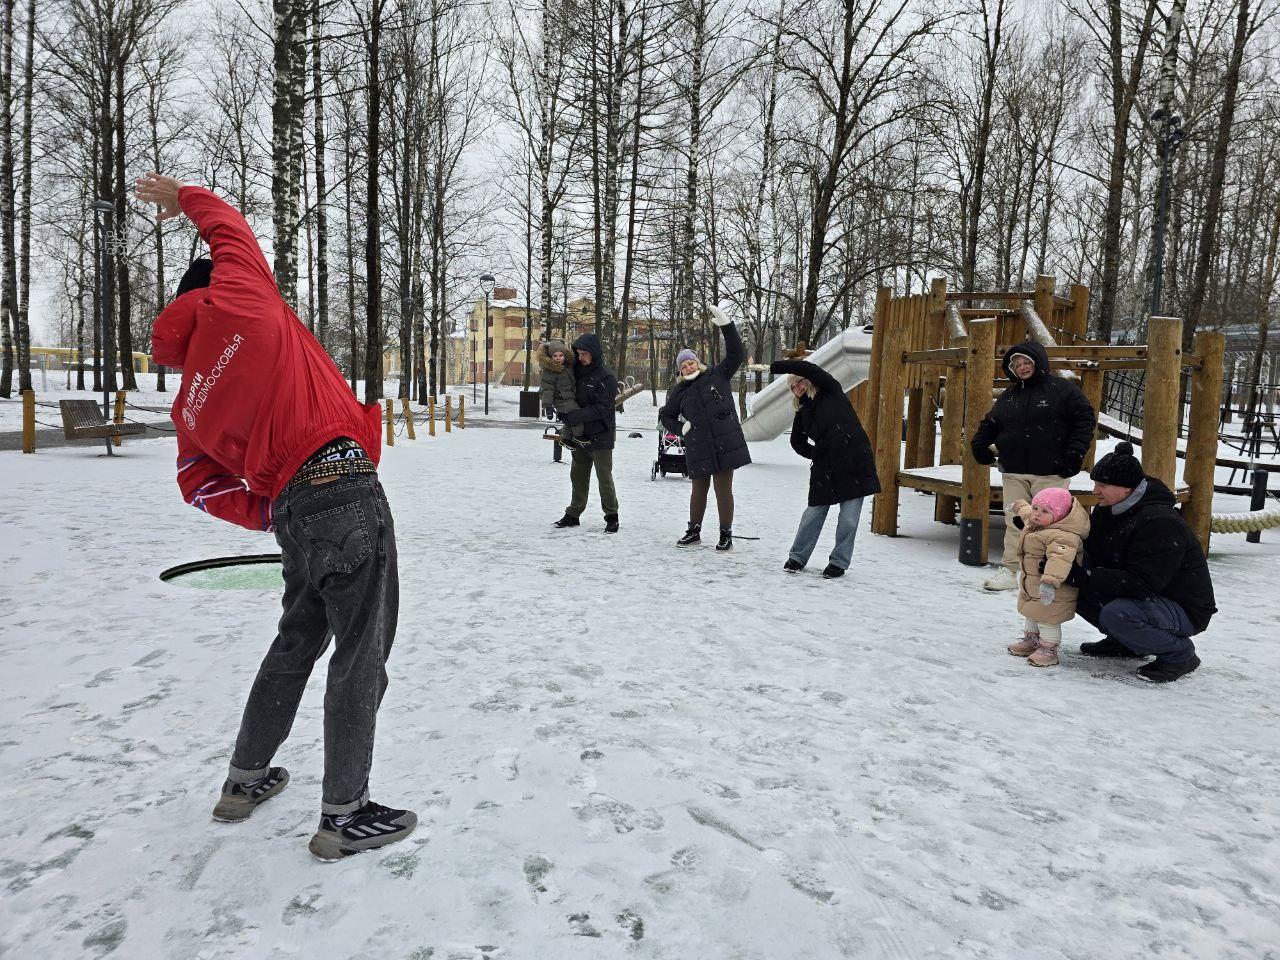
column 827, row 431
column 700, row 407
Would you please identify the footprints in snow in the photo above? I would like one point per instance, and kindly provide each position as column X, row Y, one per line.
column 537, row 871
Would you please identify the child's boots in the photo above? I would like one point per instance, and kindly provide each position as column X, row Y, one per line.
column 1045, row 655
column 1025, row 647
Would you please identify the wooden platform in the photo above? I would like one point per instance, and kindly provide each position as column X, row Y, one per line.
column 947, row 480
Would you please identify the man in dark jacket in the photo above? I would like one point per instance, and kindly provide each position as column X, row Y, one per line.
column 597, row 393
column 1144, row 581
column 1041, row 426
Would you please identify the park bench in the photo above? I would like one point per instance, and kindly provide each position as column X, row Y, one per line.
column 83, row 420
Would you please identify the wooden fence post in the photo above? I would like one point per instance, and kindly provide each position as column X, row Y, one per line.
column 1091, row 387
column 119, row 416
column 462, row 412
column 448, row 413
column 1079, row 311
column 888, row 448
column 391, row 423
column 1160, row 407
column 975, row 503
column 1202, row 434
column 1043, row 302
column 431, row 415
column 408, row 417
column 28, row 421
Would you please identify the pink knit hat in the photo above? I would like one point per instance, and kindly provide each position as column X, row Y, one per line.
column 1056, row 500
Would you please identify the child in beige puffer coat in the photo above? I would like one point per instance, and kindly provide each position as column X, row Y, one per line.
column 1054, row 527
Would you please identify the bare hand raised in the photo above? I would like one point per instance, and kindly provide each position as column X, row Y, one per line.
column 160, row 190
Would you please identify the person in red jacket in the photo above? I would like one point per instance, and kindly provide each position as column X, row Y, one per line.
column 271, row 438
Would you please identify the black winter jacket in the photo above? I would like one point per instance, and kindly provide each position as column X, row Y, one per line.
column 1146, row 551
column 597, row 392
column 1041, row 426
column 827, row 431
column 714, row 442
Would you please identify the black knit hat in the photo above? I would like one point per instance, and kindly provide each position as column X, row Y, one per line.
column 197, row 276
column 1119, row 468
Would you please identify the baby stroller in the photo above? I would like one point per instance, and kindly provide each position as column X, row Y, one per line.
column 670, row 455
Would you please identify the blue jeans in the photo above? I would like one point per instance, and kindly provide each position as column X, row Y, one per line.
column 811, row 522
column 1154, row 627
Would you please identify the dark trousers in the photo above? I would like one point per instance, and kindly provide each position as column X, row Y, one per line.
column 340, row 581
column 724, row 498
column 580, row 467
column 1155, row 627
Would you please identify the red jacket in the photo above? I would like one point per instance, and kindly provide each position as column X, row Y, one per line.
column 259, row 393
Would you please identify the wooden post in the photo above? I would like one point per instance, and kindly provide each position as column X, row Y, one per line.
column 915, row 403
column 408, row 417
column 431, row 415
column 28, row 421
column 1043, row 302
column 462, row 412
column 391, row 422
column 945, row 508
column 1202, row 434
column 1079, row 311
column 888, row 448
column 879, row 321
column 448, row 413
column 1160, row 408
column 934, row 324
column 1091, row 387
column 119, row 415
column 975, row 504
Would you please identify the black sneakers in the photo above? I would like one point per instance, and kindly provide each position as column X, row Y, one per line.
column 566, row 521
column 370, row 827
column 610, row 523
column 1107, row 647
column 726, row 539
column 238, row 800
column 792, row 566
column 832, row 571
column 1161, row 671
column 692, row 535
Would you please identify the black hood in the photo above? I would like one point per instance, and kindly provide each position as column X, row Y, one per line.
column 1032, row 350
column 591, row 343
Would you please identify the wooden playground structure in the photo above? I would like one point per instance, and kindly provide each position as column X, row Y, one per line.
column 943, row 351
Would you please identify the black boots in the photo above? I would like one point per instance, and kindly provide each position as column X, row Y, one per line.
column 832, row 572
column 692, row 535
column 1106, row 647
column 726, row 539
column 792, row 566
column 610, row 523
column 566, row 521
column 1161, row 671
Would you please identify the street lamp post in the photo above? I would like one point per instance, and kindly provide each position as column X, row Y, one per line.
column 103, row 209
column 1170, row 137
column 486, row 284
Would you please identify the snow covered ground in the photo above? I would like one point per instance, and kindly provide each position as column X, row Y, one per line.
column 618, row 748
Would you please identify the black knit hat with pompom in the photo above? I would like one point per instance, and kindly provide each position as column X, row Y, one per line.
column 1120, row 468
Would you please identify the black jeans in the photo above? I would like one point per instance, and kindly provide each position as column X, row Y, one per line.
column 340, row 580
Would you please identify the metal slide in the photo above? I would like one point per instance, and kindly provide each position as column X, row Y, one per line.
column 846, row 357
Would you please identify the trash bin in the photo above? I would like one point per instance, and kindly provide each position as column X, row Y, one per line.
column 530, row 405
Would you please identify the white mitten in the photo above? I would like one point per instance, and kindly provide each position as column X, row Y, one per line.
column 719, row 314
column 686, row 428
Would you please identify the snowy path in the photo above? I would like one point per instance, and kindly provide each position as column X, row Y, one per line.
column 619, row 749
